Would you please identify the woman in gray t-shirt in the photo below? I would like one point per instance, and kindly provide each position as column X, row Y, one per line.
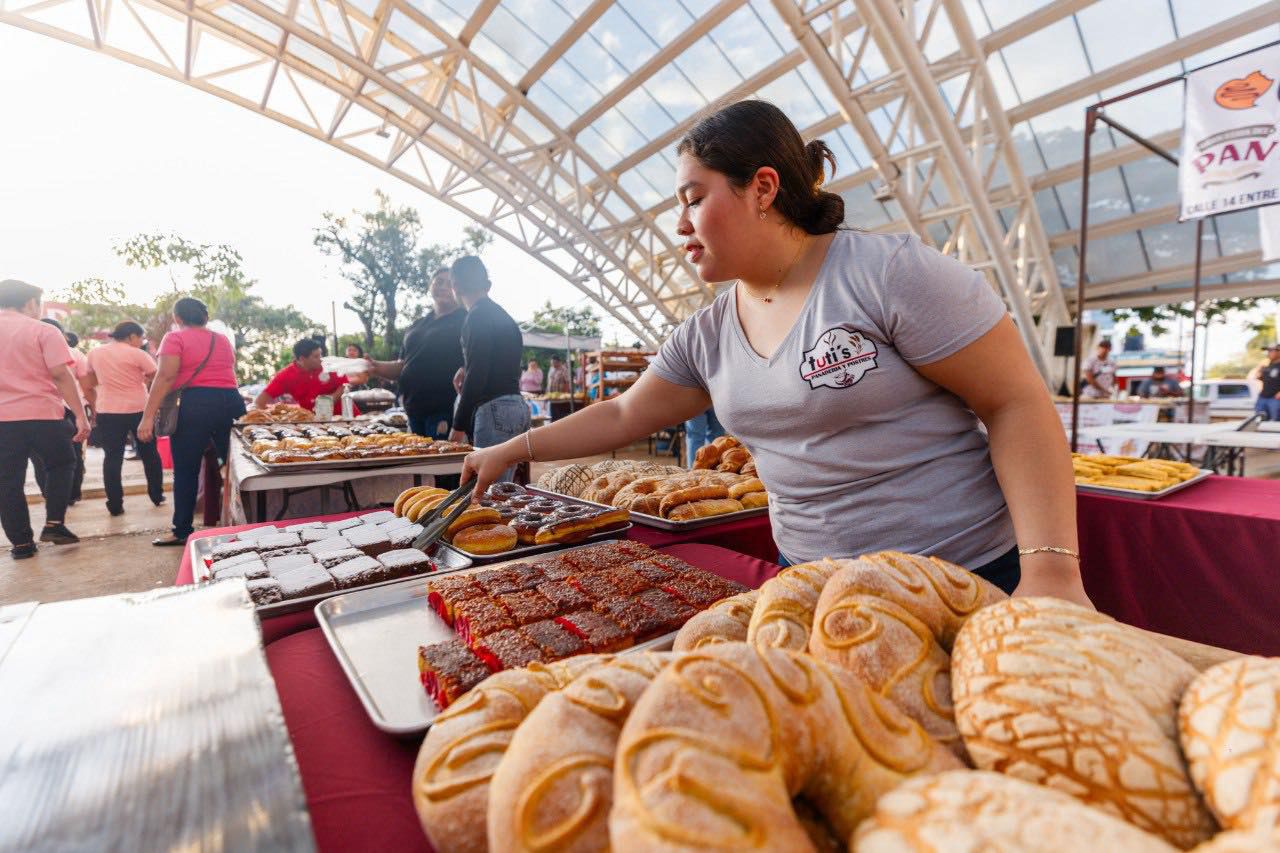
column 859, row 369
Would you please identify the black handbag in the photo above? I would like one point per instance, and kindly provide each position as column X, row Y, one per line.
column 167, row 415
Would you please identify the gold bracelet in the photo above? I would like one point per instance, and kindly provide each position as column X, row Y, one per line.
column 528, row 444
column 1049, row 549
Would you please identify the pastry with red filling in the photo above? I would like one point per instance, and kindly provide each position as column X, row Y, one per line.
column 597, row 631
column 448, row 670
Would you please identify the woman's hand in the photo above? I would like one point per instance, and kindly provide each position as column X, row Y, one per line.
column 146, row 430
column 487, row 465
column 1053, row 575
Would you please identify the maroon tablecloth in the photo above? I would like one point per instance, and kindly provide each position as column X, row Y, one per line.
column 751, row 536
column 357, row 778
column 1202, row 564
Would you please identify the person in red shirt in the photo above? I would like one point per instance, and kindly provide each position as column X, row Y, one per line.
column 305, row 379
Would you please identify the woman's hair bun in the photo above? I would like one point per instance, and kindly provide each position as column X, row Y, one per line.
column 820, row 154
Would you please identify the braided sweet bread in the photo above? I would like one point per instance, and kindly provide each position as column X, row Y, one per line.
column 892, row 619
column 458, row 757
column 1229, row 722
column 552, row 792
column 725, row 737
column 1052, row 693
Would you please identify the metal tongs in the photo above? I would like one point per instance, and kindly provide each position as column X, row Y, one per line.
column 436, row 522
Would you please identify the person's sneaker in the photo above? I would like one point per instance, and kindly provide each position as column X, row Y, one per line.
column 58, row 534
column 160, row 502
column 116, row 510
column 23, row 552
column 169, row 541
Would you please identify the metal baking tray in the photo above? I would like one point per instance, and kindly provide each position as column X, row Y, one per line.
column 658, row 521
column 451, row 559
column 527, row 550
column 1142, row 496
column 350, row 464
column 375, row 634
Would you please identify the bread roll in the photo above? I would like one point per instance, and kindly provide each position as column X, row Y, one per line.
column 726, row 621
column 554, row 786
column 1052, row 693
column 967, row 810
column 784, row 612
column 704, row 509
column 892, row 619
column 733, row 459
column 754, row 500
column 466, row 742
column 725, row 442
column 1229, row 723
column 689, row 495
column 751, row 484
column 725, row 737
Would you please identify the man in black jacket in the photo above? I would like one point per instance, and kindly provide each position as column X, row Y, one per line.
column 490, row 407
column 430, row 356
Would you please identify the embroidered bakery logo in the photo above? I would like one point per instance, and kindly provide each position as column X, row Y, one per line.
column 840, row 359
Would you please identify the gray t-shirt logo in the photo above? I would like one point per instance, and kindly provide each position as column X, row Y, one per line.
column 838, row 360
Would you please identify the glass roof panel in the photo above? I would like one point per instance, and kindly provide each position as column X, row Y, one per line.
column 1001, row 13
column 626, row 44
column 748, row 38
column 1109, row 40
column 1032, row 75
column 1115, row 257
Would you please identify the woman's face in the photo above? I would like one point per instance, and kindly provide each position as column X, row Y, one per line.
column 533, row 365
column 352, row 352
column 720, row 226
column 134, row 341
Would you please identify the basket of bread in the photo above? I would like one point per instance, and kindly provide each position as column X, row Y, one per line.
column 886, row 703
column 1143, row 478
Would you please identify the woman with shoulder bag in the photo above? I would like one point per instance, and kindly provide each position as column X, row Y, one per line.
column 199, row 367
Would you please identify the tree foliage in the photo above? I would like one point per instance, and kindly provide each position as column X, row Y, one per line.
column 379, row 254
column 212, row 273
column 1157, row 317
column 583, row 322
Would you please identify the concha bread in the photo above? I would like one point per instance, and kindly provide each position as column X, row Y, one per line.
column 554, row 786
column 1052, row 693
column 1242, row 841
column 726, row 621
column 967, row 810
column 466, row 742
column 784, row 612
column 892, row 619
column 1229, row 723
column 719, row 745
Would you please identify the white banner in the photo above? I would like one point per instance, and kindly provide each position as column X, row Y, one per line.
column 1231, row 135
column 1269, row 233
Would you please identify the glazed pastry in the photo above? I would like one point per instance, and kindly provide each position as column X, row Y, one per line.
column 751, row 484
column 471, row 516
column 704, row 508
column 694, row 493
column 485, row 538
column 754, row 500
column 707, row 456
column 576, row 529
column 775, row 723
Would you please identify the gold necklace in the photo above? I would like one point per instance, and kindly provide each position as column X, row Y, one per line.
column 768, row 297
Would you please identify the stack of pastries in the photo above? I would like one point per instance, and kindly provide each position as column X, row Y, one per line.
column 278, row 413
column 887, row 703
column 603, row 598
column 336, row 446
column 1130, row 472
column 725, row 454
column 506, row 516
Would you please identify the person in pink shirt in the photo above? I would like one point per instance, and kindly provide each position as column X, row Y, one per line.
column 202, row 364
column 35, row 385
column 119, row 374
column 77, row 447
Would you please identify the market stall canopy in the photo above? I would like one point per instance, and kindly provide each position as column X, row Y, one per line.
column 538, row 339
column 553, row 123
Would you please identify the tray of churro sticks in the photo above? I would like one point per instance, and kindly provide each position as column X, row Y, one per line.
column 412, row 648
column 1143, row 479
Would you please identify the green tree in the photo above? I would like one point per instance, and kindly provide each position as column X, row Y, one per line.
column 380, row 255
column 583, row 322
column 1157, row 317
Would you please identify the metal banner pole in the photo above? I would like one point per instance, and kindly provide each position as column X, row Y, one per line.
column 1090, row 122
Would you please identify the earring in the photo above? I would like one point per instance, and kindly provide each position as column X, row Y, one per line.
column 762, row 214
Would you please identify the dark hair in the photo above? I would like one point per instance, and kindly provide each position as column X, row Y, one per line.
column 191, row 311
column 359, row 349
column 15, row 294
column 305, row 347
column 469, row 275
column 443, row 271
column 127, row 329
column 53, row 322
column 73, row 340
column 739, row 139
column 1157, row 369
column 1105, row 342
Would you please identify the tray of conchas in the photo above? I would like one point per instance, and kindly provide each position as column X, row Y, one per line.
column 412, row 648
column 290, row 568
column 886, row 703
column 510, row 521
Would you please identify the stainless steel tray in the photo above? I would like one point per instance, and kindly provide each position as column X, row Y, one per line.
column 375, row 634
column 349, row 464
column 199, row 549
column 1142, row 496
column 658, row 521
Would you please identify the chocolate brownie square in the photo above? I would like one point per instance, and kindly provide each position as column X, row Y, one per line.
column 527, row 605
column 404, row 537
column 375, row 518
column 279, row 540
column 303, row 525
column 476, row 617
column 555, row 641
column 334, row 542
column 403, row 562
column 344, row 524
column 304, row 580
column 395, row 524
column 256, row 533
column 507, row 649
column 231, row 549
column 359, row 571
column 369, row 538
column 276, row 565
column 565, row 597
column 329, row 559
column 264, row 591
column 246, row 557
column 319, row 534
column 641, row 621
column 597, row 631
column 254, row 568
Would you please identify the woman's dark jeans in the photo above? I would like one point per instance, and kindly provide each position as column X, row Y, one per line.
column 204, row 417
